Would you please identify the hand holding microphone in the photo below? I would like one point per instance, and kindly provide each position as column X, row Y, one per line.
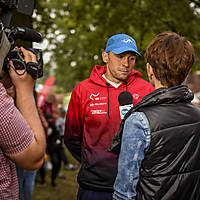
column 126, row 103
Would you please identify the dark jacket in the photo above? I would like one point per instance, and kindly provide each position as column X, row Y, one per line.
column 171, row 167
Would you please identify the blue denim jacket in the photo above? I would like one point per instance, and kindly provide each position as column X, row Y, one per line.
column 135, row 141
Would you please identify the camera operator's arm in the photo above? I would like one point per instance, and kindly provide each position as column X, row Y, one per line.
column 32, row 156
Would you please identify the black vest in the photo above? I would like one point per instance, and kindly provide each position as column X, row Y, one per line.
column 171, row 166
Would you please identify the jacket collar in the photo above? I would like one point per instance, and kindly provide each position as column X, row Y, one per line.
column 175, row 94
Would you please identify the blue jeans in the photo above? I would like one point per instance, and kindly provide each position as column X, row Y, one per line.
column 26, row 181
column 84, row 194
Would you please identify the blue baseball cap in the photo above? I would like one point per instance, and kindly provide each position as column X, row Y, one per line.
column 121, row 43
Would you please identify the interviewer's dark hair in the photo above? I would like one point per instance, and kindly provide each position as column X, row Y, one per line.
column 171, row 57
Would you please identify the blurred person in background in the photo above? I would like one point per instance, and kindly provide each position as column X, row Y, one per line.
column 55, row 149
column 60, row 125
column 54, row 143
column 48, row 107
column 47, row 110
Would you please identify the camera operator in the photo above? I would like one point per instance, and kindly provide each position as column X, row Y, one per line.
column 22, row 137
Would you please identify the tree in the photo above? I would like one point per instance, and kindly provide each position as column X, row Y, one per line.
column 77, row 30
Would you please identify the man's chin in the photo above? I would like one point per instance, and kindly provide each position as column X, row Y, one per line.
column 123, row 78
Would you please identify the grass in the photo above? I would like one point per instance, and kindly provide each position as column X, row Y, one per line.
column 66, row 189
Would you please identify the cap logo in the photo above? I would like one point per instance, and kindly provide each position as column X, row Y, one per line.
column 127, row 41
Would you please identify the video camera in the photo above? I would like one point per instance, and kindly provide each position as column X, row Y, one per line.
column 8, row 37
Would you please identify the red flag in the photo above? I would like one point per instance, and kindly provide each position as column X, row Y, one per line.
column 45, row 90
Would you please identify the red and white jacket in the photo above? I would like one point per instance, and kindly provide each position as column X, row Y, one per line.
column 92, row 120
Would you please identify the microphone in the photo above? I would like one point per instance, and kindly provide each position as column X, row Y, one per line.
column 25, row 34
column 126, row 103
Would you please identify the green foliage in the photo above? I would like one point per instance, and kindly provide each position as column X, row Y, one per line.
column 78, row 30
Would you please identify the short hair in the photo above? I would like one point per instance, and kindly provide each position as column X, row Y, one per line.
column 171, row 56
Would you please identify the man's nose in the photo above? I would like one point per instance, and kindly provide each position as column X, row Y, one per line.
column 125, row 61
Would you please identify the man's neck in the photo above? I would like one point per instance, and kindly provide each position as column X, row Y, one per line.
column 109, row 77
column 157, row 85
column 116, row 85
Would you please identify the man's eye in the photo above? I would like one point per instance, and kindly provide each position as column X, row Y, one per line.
column 132, row 58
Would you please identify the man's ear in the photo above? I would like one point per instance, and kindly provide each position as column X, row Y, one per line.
column 150, row 72
column 105, row 57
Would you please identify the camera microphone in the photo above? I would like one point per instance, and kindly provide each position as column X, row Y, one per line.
column 24, row 33
column 126, row 103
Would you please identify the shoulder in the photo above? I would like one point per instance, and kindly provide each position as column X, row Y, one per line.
column 86, row 87
column 82, row 85
column 141, row 87
column 144, row 82
column 138, row 119
column 136, row 130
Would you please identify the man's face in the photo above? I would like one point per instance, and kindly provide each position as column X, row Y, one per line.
column 119, row 66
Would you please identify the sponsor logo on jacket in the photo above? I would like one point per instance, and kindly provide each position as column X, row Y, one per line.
column 96, row 97
column 93, row 96
column 135, row 96
column 98, row 104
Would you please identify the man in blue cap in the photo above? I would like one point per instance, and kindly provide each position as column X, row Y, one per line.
column 93, row 116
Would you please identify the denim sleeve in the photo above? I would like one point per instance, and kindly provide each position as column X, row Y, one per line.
column 135, row 140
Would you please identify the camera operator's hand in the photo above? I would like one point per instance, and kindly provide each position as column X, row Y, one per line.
column 28, row 55
column 23, row 82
